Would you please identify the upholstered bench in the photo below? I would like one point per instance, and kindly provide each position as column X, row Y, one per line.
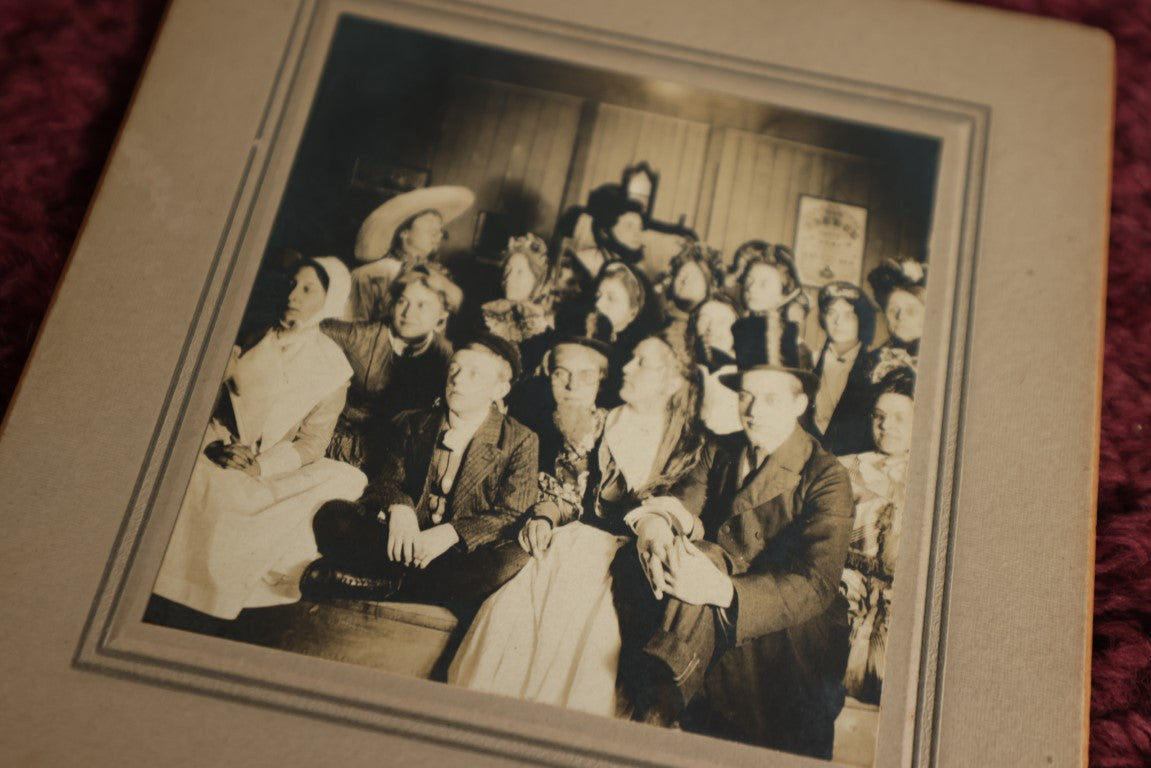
column 404, row 638
column 420, row 640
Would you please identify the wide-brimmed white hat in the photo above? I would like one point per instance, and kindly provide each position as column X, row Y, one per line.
column 377, row 231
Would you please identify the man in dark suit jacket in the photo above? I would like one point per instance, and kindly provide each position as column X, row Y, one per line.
column 438, row 520
column 744, row 635
column 840, row 413
column 849, row 430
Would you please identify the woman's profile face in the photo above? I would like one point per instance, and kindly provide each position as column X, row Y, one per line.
column 891, row 423
column 650, row 376
column 613, row 302
column 690, row 284
column 841, row 322
column 713, row 326
column 628, row 230
column 905, row 315
column 306, row 298
column 762, row 288
column 519, row 281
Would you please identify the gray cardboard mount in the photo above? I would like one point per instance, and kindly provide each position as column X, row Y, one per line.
column 989, row 661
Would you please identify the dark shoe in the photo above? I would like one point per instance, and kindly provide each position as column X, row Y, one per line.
column 662, row 705
column 656, row 698
column 323, row 582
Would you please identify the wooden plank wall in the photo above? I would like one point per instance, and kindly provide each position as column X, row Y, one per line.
column 674, row 147
column 759, row 180
column 758, row 183
column 512, row 146
column 521, row 150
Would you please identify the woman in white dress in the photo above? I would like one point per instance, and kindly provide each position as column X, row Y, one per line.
column 244, row 531
column 879, row 487
column 551, row 634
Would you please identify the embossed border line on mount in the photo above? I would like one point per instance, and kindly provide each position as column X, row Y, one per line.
column 93, row 651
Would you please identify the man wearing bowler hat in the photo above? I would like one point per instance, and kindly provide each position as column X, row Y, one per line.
column 744, row 635
column 404, row 231
column 438, row 522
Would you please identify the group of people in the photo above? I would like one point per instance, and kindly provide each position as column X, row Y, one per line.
column 656, row 501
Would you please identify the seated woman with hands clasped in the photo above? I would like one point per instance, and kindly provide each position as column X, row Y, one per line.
column 879, row 487
column 551, row 633
column 243, row 533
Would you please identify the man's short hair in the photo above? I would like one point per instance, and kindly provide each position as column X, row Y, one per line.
column 507, row 352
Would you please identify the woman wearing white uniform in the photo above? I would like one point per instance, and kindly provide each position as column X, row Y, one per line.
column 551, row 634
column 244, row 530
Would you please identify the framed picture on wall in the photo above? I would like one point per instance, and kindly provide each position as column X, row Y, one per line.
column 829, row 241
column 387, row 178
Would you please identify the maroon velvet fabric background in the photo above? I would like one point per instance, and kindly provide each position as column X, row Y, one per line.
column 67, row 70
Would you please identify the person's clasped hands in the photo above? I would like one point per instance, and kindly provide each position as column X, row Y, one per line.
column 233, row 456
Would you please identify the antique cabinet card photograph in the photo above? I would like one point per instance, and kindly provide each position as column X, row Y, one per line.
column 600, row 385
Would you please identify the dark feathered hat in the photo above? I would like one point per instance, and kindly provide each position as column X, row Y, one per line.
column 605, row 204
column 770, row 343
column 904, row 275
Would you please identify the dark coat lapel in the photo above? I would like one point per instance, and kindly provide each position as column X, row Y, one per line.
column 779, row 475
column 855, row 390
column 423, row 444
column 425, row 432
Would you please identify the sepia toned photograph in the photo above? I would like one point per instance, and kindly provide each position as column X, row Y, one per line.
column 565, row 385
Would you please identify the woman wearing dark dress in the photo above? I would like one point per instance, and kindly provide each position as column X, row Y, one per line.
column 397, row 365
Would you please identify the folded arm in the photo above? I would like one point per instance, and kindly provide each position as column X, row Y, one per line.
column 311, row 439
